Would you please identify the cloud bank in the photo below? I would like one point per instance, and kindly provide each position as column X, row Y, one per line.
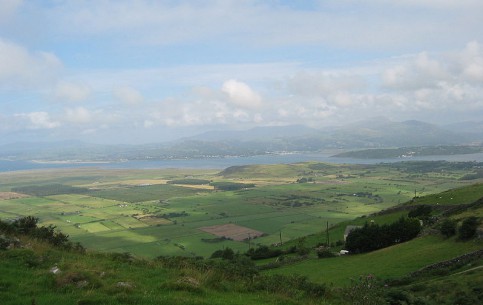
column 155, row 69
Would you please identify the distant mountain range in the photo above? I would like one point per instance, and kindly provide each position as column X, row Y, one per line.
column 373, row 133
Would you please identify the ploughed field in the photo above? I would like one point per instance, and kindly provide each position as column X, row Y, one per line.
column 195, row 212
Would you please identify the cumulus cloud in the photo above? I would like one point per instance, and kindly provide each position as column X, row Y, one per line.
column 72, row 92
column 128, row 95
column 20, row 67
column 472, row 62
column 241, row 94
column 417, row 72
column 78, row 115
column 39, row 120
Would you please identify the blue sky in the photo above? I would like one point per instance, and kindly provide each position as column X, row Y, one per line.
column 149, row 71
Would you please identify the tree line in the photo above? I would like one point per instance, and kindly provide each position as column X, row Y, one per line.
column 373, row 236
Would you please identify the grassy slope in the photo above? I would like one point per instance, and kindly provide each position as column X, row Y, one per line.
column 391, row 262
column 26, row 279
column 462, row 195
column 395, row 261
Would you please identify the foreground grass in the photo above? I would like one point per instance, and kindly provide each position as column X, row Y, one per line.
column 115, row 279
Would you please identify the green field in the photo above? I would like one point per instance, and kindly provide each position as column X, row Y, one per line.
column 138, row 211
column 392, row 262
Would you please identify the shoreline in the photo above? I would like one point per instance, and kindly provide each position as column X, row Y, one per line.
column 68, row 162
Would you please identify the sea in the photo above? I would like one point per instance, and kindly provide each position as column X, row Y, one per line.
column 224, row 162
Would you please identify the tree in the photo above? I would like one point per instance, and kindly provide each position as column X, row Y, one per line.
column 468, row 228
column 448, row 227
column 421, row 212
column 373, row 236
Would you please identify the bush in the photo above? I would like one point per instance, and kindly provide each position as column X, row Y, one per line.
column 448, row 227
column 325, row 253
column 25, row 224
column 6, row 227
column 468, row 228
column 263, row 252
column 4, row 242
column 365, row 291
column 226, row 253
column 421, row 212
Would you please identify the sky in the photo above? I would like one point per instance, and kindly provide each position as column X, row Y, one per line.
column 144, row 71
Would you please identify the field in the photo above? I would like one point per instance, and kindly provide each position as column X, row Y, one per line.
column 392, row 262
column 157, row 212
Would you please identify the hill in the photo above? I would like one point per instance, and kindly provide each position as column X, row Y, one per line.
column 409, row 152
column 427, row 264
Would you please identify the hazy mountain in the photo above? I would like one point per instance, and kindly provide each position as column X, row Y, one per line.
column 256, row 134
column 470, row 127
column 374, row 133
column 382, row 132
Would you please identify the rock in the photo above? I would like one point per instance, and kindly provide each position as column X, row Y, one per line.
column 124, row 285
column 189, row 281
column 82, row 284
column 55, row 270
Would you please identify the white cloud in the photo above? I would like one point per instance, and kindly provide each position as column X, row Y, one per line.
column 78, row 115
column 39, row 120
column 372, row 25
column 241, row 94
column 472, row 62
column 72, row 92
column 7, row 8
column 20, row 67
column 415, row 72
column 128, row 95
column 342, row 99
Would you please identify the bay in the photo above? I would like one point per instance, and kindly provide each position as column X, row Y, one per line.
column 224, row 162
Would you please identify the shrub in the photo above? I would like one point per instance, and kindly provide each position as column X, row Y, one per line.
column 263, row 252
column 325, row 253
column 6, row 227
column 226, row 253
column 421, row 212
column 448, row 227
column 25, row 224
column 468, row 228
column 4, row 242
column 365, row 291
